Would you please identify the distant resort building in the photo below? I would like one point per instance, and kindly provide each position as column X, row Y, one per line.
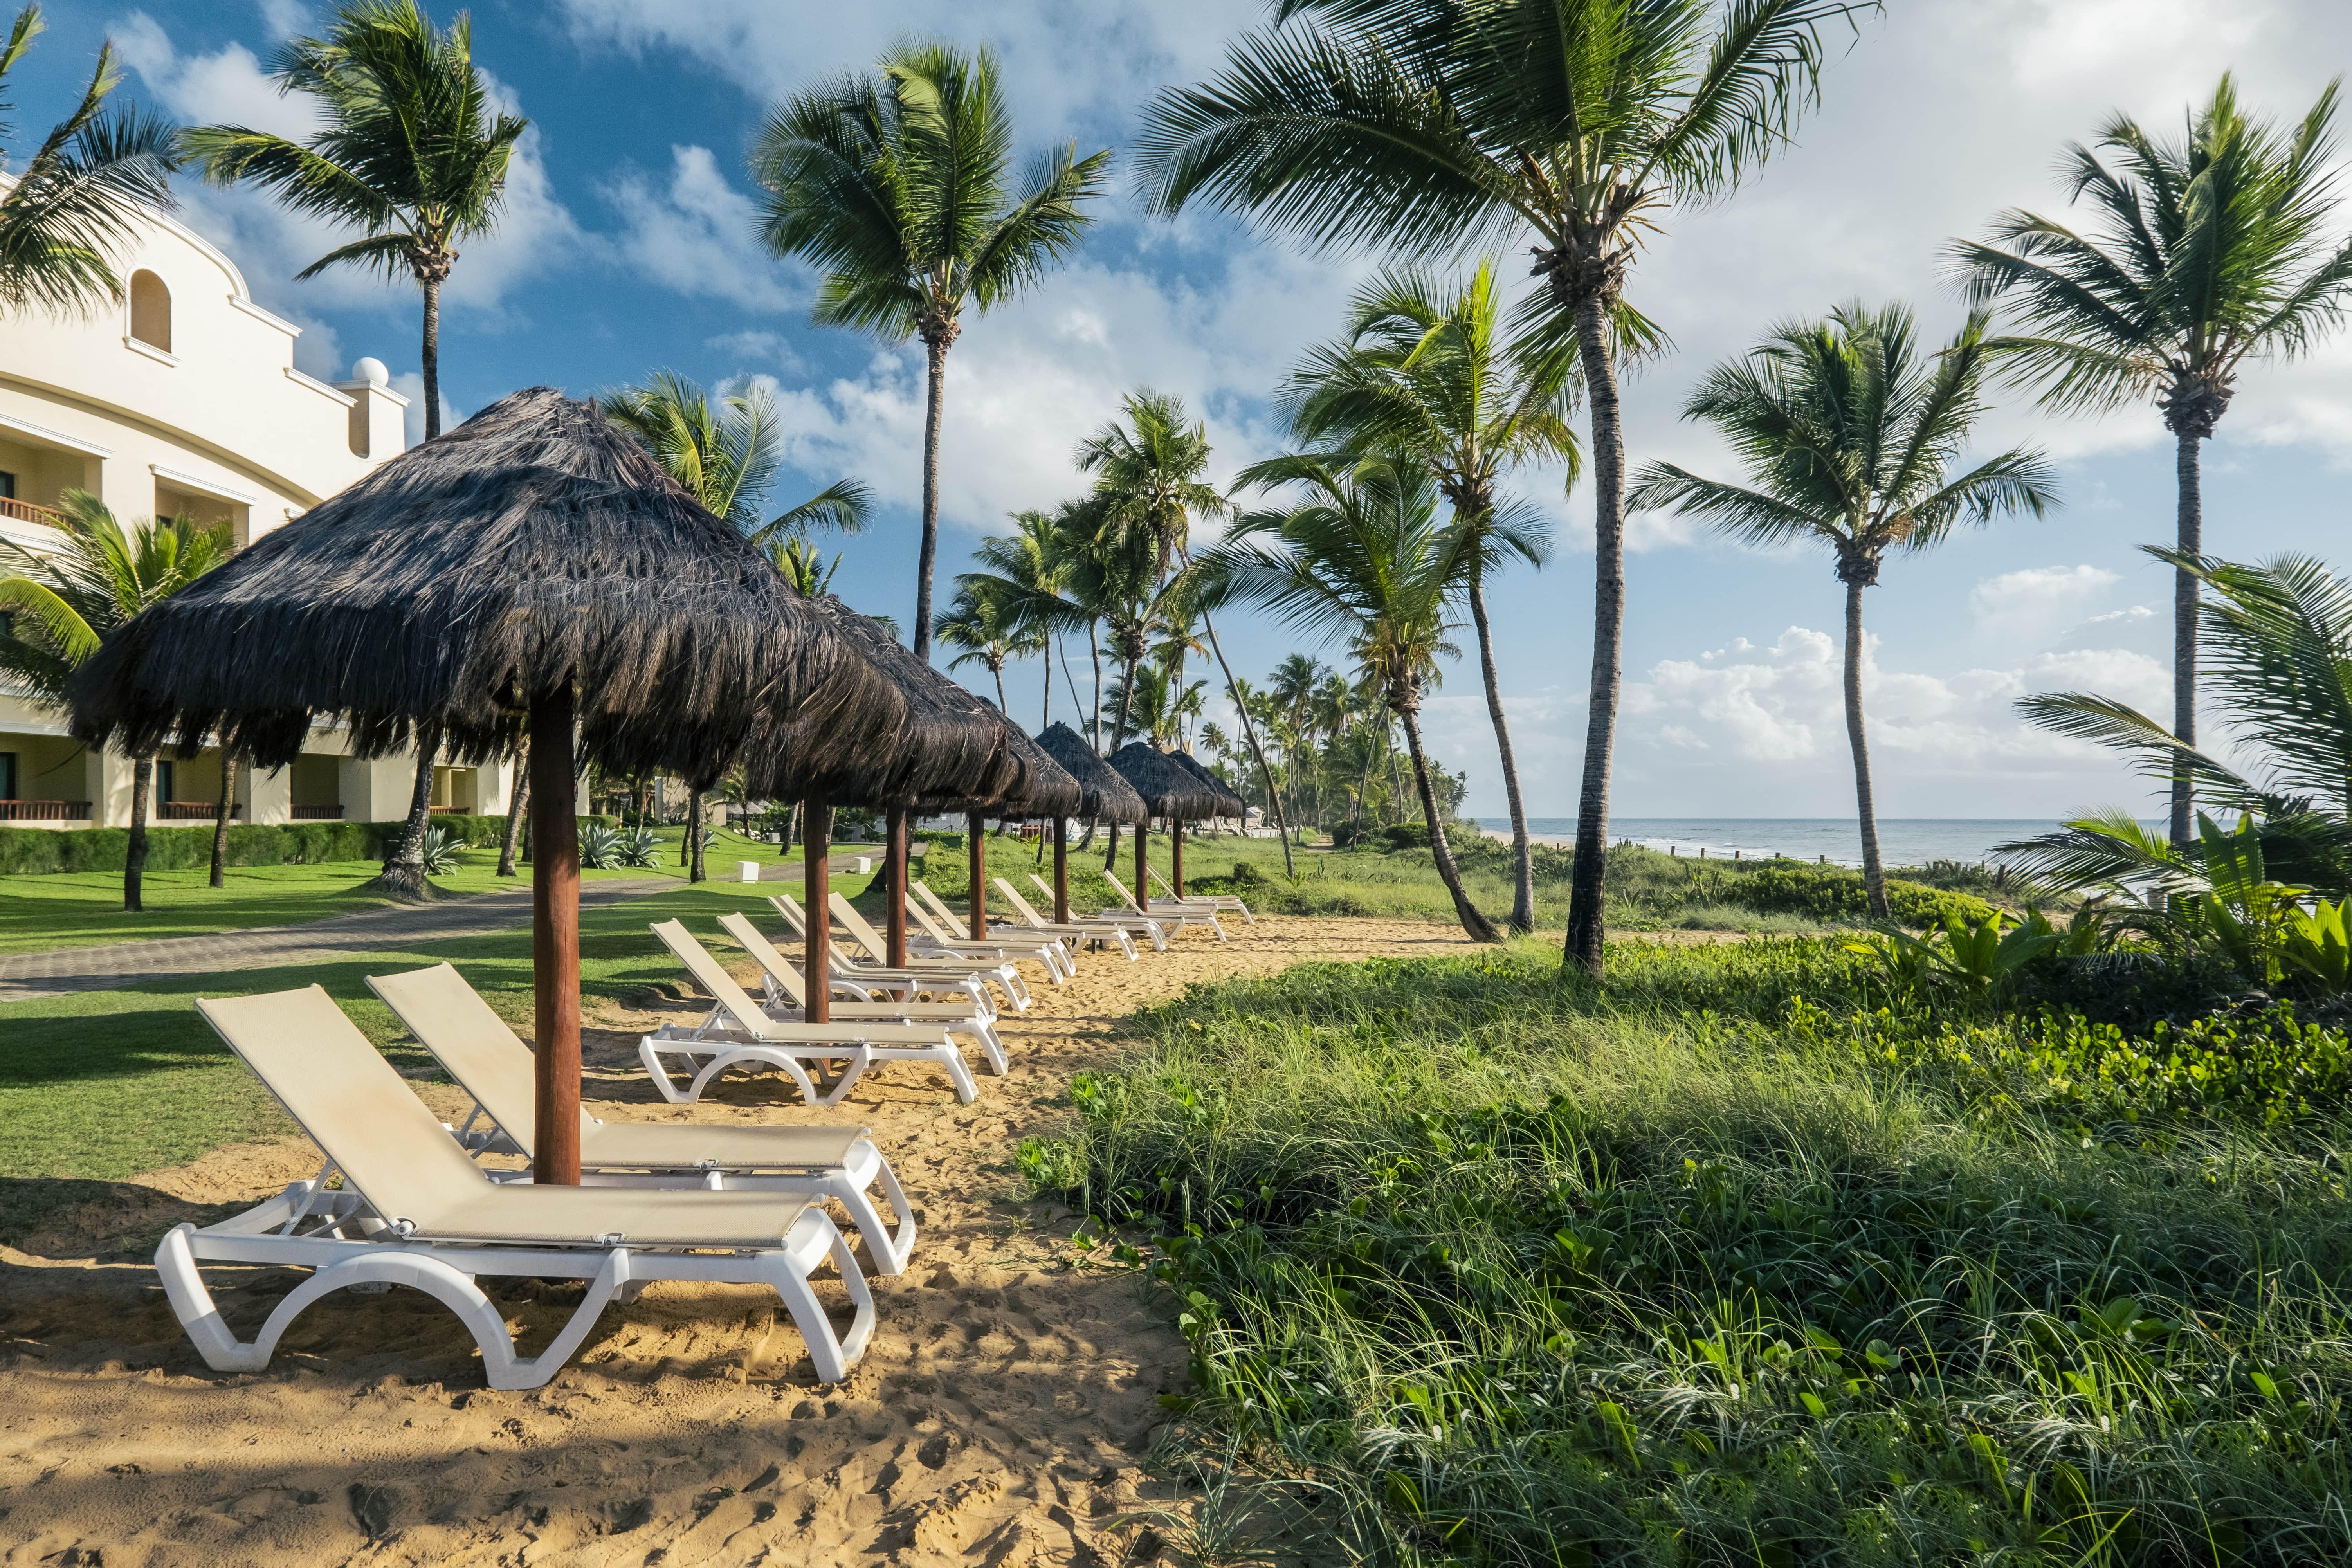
column 184, row 400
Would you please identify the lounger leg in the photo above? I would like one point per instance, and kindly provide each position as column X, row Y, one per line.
column 765, row 1058
column 889, row 1246
column 1216, row 925
column 951, row 1059
column 1245, row 909
column 662, row 1082
column 175, row 1261
column 1016, row 987
column 814, row 1239
column 990, row 1046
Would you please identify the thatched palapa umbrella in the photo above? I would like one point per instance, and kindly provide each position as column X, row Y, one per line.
column 532, row 571
column 1040, row 787
column 1169, row 790
column 1229, row 804
column 946, row 748
column 1103, row 795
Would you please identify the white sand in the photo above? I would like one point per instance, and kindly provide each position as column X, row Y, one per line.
column 1000, row 1417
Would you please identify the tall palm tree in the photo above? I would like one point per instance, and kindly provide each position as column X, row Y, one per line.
column 725, row 453
column 2207, row 253
column 1151, row 480
column 1432, row 368
column 64, row 218
column 978, row 625
column 1362, row 556
column 1029, row 557
column 1429, row 128
column 899, row 189
column 411, row 153
column 61, row 607
column 1849, row 431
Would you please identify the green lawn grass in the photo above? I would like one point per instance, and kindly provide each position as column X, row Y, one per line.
column 83, row 908
column 103, row 1084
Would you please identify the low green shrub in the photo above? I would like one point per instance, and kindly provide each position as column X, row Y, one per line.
column 1832, row 894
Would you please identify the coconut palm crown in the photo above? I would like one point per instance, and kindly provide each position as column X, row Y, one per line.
column 71, row 209
column 899, row 189
column 1849, row 430
column 2204, row 254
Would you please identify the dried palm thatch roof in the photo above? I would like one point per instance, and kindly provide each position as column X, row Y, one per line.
column 940, row 748
column 1044, row 787
column 1167, row 789
column 533, row 545
column 1230, row 803
column 1104, row 793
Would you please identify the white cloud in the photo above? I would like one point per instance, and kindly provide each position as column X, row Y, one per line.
column 2030, row 604
column 697, row 234
column 535, row 232
column 285, row 18
column 765, row 350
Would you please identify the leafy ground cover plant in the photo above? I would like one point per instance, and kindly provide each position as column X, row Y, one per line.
column 1738, row 1259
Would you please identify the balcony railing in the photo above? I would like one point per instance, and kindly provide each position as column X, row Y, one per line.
column 44, row 811
column 317, row 813
column 27, row 512
column 194, row 811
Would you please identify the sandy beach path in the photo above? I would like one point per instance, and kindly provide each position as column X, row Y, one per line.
column 1000, row 1417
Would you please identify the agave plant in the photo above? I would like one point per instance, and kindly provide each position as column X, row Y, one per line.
column 638, row 849
column 601, row 848
column 2276, row 639
column 440, row 850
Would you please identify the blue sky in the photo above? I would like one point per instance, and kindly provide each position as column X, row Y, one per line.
column 627, row 246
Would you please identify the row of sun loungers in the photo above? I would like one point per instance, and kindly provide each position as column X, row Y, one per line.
column 406, row 1199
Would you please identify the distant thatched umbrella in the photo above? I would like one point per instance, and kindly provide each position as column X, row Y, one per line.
column 1229, row 804
column 1043, row 788
column 947, row 749
column 1169, row 789
column 533, row 570
column 1107, row 797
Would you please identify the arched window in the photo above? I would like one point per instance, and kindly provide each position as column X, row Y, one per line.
column 150, row 310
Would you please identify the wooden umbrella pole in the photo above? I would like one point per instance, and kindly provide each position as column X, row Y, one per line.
column 894, row 878
column 1061, row 870
column 554, row 942
column 816, row 965
column 1142, row 866
column 1176, row 853
column 976, row 863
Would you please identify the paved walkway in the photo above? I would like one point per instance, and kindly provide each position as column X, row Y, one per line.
column 395, row 928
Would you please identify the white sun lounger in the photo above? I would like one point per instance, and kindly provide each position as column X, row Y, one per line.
column 944, row 931
column 788, row 994
column 1154, row 926
column 414, row 1210
column 737, row 1032
column 1221, row 903
column 918, row 973
column 490, row 1063
column 1096, row 932
column 1162, row 909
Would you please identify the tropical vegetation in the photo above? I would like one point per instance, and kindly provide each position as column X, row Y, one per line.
column 70, row 208
column 2208, row 253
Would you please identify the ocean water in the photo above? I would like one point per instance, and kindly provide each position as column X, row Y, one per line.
column 1901, row 840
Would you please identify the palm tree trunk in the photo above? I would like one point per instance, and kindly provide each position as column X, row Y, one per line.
column 1523, row 872
column 432, row 287
column 1588, row 879
column 518, row 802
column 220, row 820
column 1045, row 711
column 694, row 836
column 403, row 869
column 1001, row 705
column 1249, row 731
column 1476, row 925
column 1874, row 877
column 2186, row 463
column 937, row 352
column 135, row 856
column 1094, row 647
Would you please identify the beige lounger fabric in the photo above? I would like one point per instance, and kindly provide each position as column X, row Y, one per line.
column 490, row 1063
column 404, row 1162
column 788, row 980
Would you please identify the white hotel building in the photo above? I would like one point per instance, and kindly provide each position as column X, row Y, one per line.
column 184, row 400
